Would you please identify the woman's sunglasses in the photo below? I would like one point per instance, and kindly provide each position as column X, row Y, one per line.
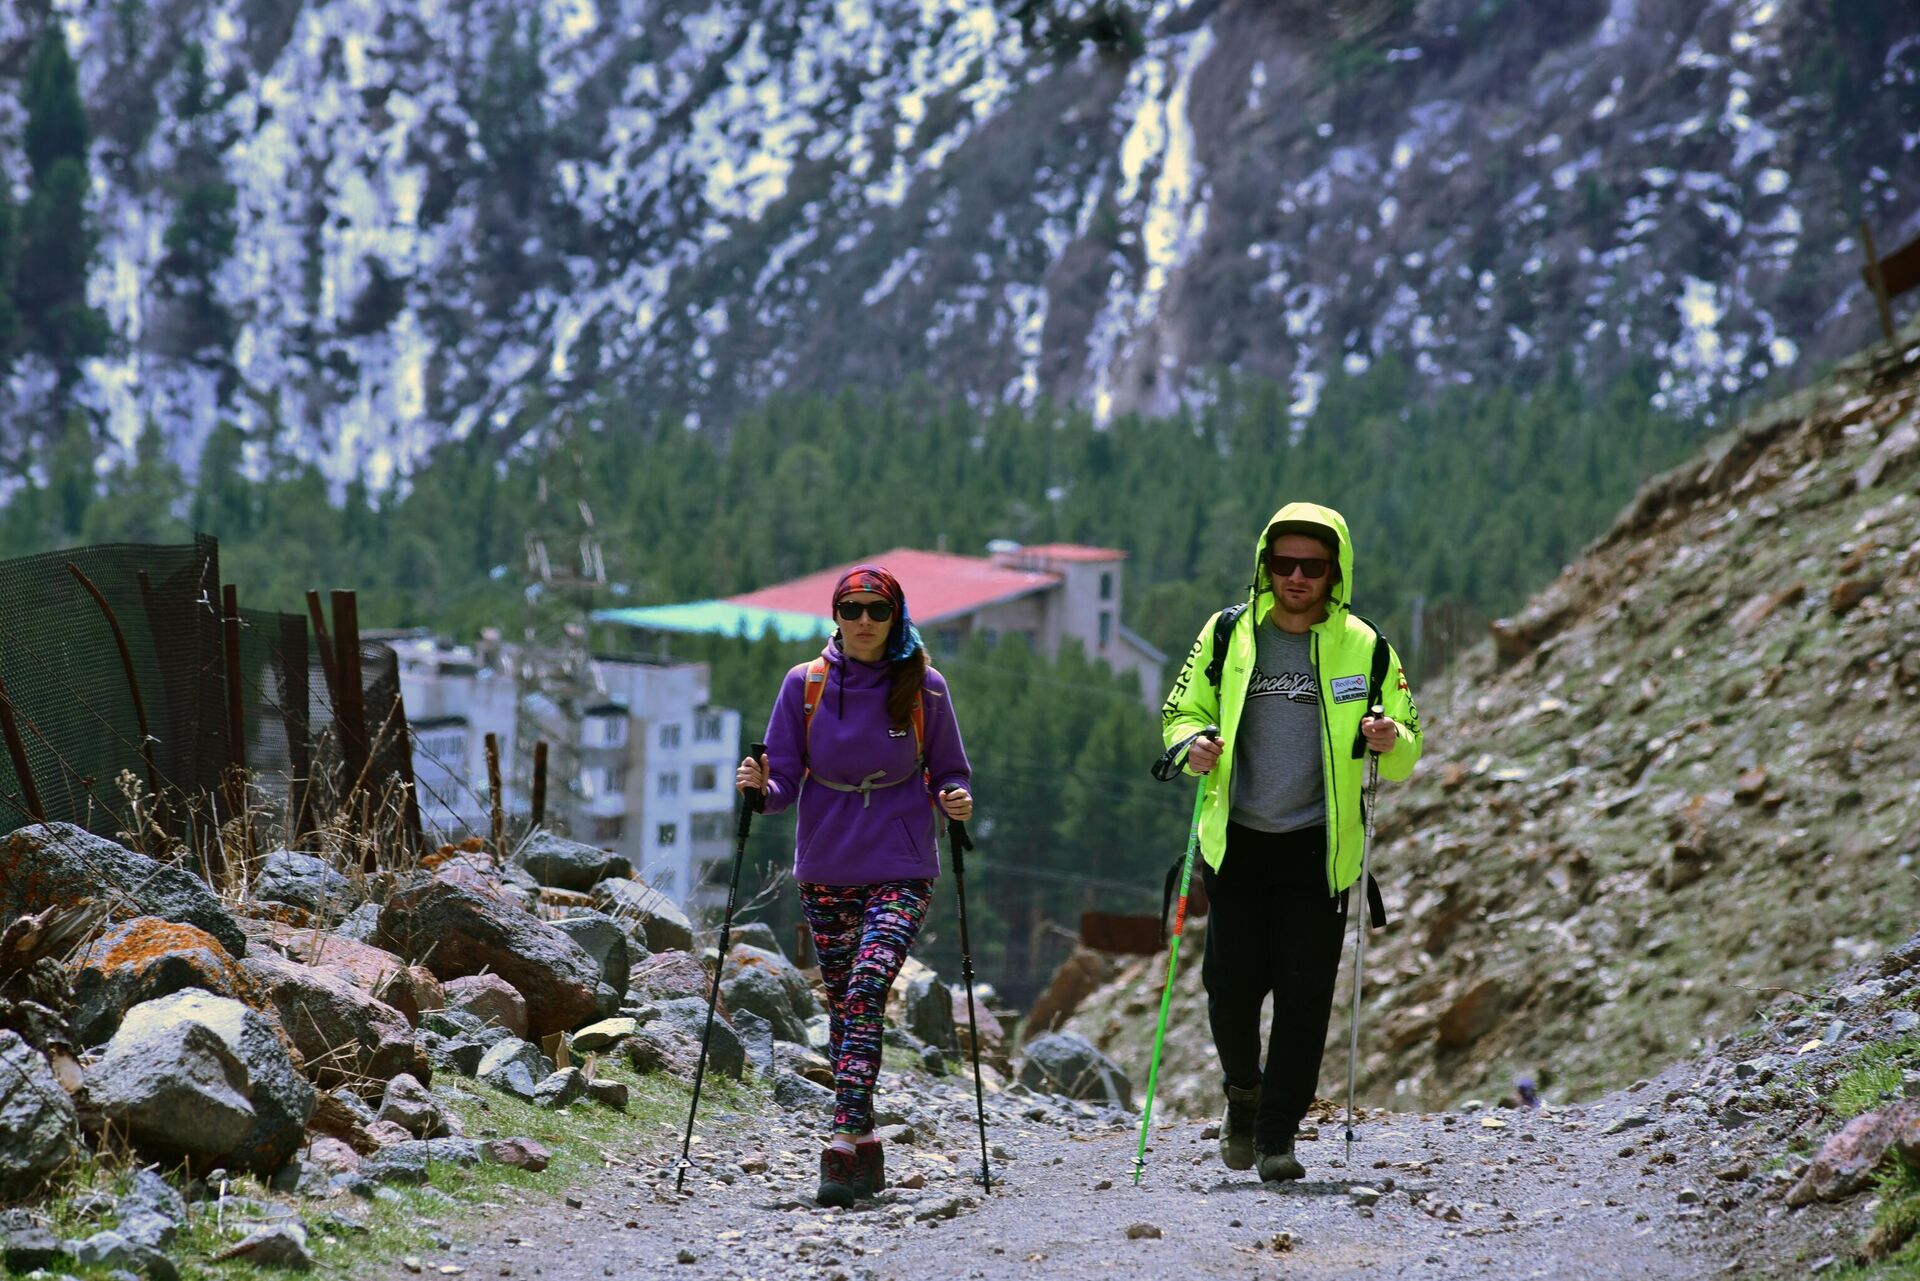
column 878, row 610
column 1310, row 567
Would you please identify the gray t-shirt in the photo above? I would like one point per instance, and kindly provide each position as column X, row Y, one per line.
column 1276, row 756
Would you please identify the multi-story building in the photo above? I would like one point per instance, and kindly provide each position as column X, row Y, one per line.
column 455, row 696
column 1046, row 593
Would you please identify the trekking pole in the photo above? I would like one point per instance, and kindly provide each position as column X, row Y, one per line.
column 958, row 842
column 1164, row 769
column 751, row 802
column 1360, row 941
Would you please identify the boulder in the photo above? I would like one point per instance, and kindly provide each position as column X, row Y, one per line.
column 410, row 1162
column 150, row 1213
column 667, row 976
column 604, row 1035
column 993, row 1036
column 490, row 999
column 282, row 1100
column 1846, row 1162
column 409, row 1105
column 602, row 939
column 176, row 1091
column 361, row 924
column 797, row 1094
column 1079, row 976
column 343, row 1032
column 688, row 1016
column 456, row 932
column 561, row 1089
column 143, row 959
column 569, row 865
column 274, row 1245
column 515, row 1066
column 1067, row 1063
column 756, row 934
column 663, row 1047
column 646, row 913
column 410, row 989
column 758, row 992
column 304, row 881
column 608, row 1094
column 516, row 1154
column 37, row 1124
column 929, row 1013
column 742, row 957
column 51, row 864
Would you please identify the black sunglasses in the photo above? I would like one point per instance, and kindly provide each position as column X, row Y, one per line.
column 878, row 610
column 1310, row 567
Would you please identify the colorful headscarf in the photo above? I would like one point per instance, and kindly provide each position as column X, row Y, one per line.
column 903, row 638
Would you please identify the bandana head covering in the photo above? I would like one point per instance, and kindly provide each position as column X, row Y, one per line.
column 903, row 638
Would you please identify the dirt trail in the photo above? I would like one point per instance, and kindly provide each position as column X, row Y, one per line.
column 1508, row 1193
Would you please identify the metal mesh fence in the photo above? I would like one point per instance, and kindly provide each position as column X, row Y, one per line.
column 115, row 670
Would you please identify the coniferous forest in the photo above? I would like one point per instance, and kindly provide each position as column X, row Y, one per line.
column 1463, row 503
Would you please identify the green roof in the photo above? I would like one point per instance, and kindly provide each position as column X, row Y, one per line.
column 719, row 618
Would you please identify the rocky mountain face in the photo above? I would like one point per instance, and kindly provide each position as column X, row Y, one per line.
column 451, row 214
column 1675, row 790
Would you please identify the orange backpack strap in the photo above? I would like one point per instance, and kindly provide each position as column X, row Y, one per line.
column 810, row 692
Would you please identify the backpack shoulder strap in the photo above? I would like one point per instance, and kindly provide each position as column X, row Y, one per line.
column 811, row 691
column 1222, row 636
column 1382, row 655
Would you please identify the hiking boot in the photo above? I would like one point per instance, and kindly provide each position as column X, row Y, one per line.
column 870, row 1166
column 1278, row 1167
column 839, row 1177
column 1236, row 1128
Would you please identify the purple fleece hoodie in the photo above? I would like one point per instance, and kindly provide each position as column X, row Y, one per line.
column 846, row 838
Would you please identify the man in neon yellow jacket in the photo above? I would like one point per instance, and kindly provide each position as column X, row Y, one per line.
column 1281, row 826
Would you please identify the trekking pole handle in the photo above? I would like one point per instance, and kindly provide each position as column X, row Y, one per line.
column 1360, row 747
column 956, row 828
column 757, row 799
column 1167, row 768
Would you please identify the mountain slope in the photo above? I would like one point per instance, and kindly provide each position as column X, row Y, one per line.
column 1675, row 788
column 453, row 213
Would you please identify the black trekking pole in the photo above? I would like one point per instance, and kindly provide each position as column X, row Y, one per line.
column 1361, row 922
column 957, row 843
column 751, row 802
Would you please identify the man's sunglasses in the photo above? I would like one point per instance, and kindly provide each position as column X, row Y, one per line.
column 878, row 610
column 1309, row 566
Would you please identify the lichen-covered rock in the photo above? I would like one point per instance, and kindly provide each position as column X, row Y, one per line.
column 60, row 863
column 144, row 959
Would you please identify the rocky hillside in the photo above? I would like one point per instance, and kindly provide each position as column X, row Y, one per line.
column 449, row 213
column 1676, row 789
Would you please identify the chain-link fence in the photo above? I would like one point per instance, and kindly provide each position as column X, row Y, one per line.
column 125, row 712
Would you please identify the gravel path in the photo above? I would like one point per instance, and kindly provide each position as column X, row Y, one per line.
column 1507, row 1194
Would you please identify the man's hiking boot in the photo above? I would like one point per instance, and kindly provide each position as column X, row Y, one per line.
column 870, row 1166
column 839, row 1177
column 1277, row 1167
column 1236, row 1128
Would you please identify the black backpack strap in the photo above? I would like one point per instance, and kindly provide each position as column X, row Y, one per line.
column 1376, row 906
column 1376, row 681
column 1222, row 635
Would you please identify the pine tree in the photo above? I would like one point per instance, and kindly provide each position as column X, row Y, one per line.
column 202, row 233
column 139, row 502
column 56, row 241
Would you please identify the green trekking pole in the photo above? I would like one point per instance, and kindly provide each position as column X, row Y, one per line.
column 1164, row 769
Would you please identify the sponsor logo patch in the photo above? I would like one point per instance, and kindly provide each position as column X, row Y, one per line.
column 896, row 733
column 1348, row 688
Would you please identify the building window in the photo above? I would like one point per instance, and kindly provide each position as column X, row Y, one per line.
column 616, row 782
column 705, row 778
column 670, row 735
column 610, row 829
column 706, row 728
column 948, row 639
column 1106, row 585
column 670, row 784
column 669, row 834
column 1106, row 628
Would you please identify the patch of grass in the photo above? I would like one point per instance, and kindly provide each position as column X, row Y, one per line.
column 1896, row 1228
column 1876, row 1073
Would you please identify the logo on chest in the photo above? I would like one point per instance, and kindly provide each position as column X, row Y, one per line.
column 1348, row 688
column 896, row 733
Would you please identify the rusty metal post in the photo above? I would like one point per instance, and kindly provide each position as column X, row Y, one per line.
column 350, row 707
column 295, row 712
column 318, row 618
column 133, row 681
column 540, row 783
column 494, row 800
column 416, row 836
column 17, row 752
column 1876, row 281
column 237, row 799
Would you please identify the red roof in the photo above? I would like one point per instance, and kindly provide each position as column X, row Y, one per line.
column 1067, row 552
column 939, row 585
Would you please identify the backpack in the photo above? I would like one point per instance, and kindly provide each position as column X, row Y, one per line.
column 1223, row 624
column 816, row 687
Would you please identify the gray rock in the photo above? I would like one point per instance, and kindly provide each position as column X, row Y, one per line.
column 1067, row 1063
column 608, row 1000
column 1903, row 1021
column 656, row 919
column 409, row 1162
column 141, row 960
column 569, row 865
column 409, row 1105
column 514, row 1066
column 797, row 1094
column 604, row 1035
column 561, row 1089
column 490, row 1000
column 361, row 1110
column 451, row 1022
column 51, row 864
column 176, row 1090
column 756, row 934
column 759, row 992
column 819, row 1032
column 278, row 1245
column 306, row 882
column 608, row 1094
column 458, row 1054
column 361, row 924
column 929, row 1013
column 687, row 1014
column 344, row 1033
column 38, row 1133
column 31, row 1249
column 756, row 1034
column 282, row 1100
column 106, row 1250
column 150, row 1212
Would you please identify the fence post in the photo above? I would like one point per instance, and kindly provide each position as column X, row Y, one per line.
column 540, row 783
column 17, row 751
column 295, row 703
column 416, row 836
column 237, row 798
column 319, row 619
column 350, row 706
column 499, row 824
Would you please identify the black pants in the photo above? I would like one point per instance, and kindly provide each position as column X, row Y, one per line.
column 1272, row 928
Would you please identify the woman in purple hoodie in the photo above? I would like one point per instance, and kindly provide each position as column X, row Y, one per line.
column 865, row 739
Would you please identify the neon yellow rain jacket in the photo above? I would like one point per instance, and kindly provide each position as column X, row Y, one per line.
column 1342, row 651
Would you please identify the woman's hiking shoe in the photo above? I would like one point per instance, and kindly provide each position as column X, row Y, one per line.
column 870, row 1166
column 839, row 1177
column 1277, row 1167
column 1236, row 1128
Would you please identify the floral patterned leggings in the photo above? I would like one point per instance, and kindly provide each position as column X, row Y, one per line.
column 863, row 934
